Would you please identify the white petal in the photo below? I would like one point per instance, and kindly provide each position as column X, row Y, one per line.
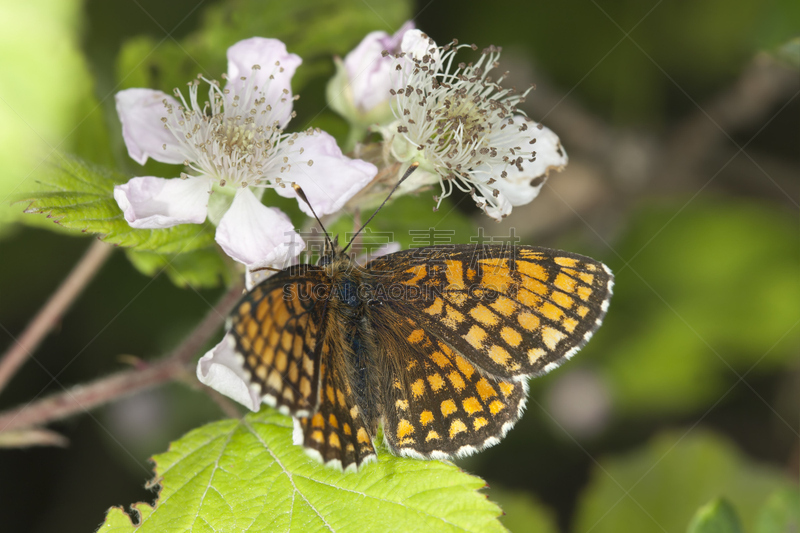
column 141, row 111
column 332, row 178
column 257, row 235
column 265, row 53
column 221, row 369
column 150, row 203
column 418, row 44
column 369, row 73
column 502, row 207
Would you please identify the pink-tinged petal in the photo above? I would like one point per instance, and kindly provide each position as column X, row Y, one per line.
column 257, row 235
column 368, row 72
column 328, row 177
column 145, row 134
column 150, row 203
column 266, row 53
column 221, row 369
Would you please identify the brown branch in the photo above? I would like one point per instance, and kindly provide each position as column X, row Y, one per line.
column 51, row 313
column 85, row 397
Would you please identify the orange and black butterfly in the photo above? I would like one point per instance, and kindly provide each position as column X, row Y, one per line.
column 436, row 344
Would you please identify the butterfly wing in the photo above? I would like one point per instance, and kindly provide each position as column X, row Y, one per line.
column 276, row 326
column 461, row 327
column 513, row 311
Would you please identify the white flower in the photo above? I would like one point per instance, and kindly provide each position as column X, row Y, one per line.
column 360, row 89
column 234, row 146
column 464, row 128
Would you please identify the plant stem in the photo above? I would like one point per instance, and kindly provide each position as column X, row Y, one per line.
column 56, row 306
column 84, row 397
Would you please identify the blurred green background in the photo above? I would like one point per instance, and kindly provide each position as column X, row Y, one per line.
column 681, row 122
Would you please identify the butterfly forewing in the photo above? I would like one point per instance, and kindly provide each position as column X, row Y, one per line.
column 512, row 311
column 276, row 327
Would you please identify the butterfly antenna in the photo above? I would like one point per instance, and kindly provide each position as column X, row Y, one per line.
column 302, row 196
column 408, row 172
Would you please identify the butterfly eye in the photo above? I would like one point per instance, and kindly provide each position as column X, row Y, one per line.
column 324, row 260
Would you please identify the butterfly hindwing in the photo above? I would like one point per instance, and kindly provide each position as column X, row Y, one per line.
column 512, row 311
column 276, row 327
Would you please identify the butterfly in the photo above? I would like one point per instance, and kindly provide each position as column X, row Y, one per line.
column 434, row 344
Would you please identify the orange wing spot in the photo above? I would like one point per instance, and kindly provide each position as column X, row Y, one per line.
column 478, row 423
column 583, row 311
column 252, row 329
column 406, row 442
column 246, row 344
column 401, row 404
column 586, row 278
column 448, row 407
column 252, row 360
column 297, row 347
column 496, row 276
column 275, row 380
column 528, row 299
column 333, row 440
column 281, row 361
column 456, row 297
column 551, row 312
column 245, row 308
column 416, row 336
column 504, row 306
column 484, row 315
column 566, row 261
column 496, row 406
column 511, row 336
column 533, row 270
column 551, row 337
column 535, row 286
column 456, row 380
column 333, row 421
column 475, row 337
column 354, row 412
column 456, row 427
column 397, row 385
column 590, row 267
column 454, row 270
column 431, row 435
column 506, row 388
column 562, row 299
column 440, row 360
column 472, row 405
column 274, row 336
column 419, row 272
column 564, row 283
column 288, row 394
column 308, row 365
column 261, row 372
column 330, row 393
column 528, row 321
column 286, row 341
column 499, row 355
column 411, row 364
column 471, row 274
column 240, row 328
column 318, row 436
column 452, row 318
column 346, row 429
column 258, row 346
column 569, row 324
column 584, row 293
column 404, row 428
column 340, row 398
column 418, row 388
column 436, row 307
column 436, row 382
column 485, row 389
column 281, row 315
column 362, row 436
column 294, row 373
column 262, row 310
column 426, row 418
column 305, row 387
column 318, row 421
column 534, row 354
column 465, row 368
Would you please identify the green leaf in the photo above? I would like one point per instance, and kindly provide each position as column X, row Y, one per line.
column 781, row 513
column 203, row 268
column 661, row 486
column 238, row 475
column 522, row 512
column 718, row 516
column 79, row 196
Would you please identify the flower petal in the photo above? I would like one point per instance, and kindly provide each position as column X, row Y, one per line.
column 149, row 203
column 277, row 67
column 141, row 111
column 257, row 235
column 368, row 72
column 221, row 369
column 418, row 44
column 328, row 177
